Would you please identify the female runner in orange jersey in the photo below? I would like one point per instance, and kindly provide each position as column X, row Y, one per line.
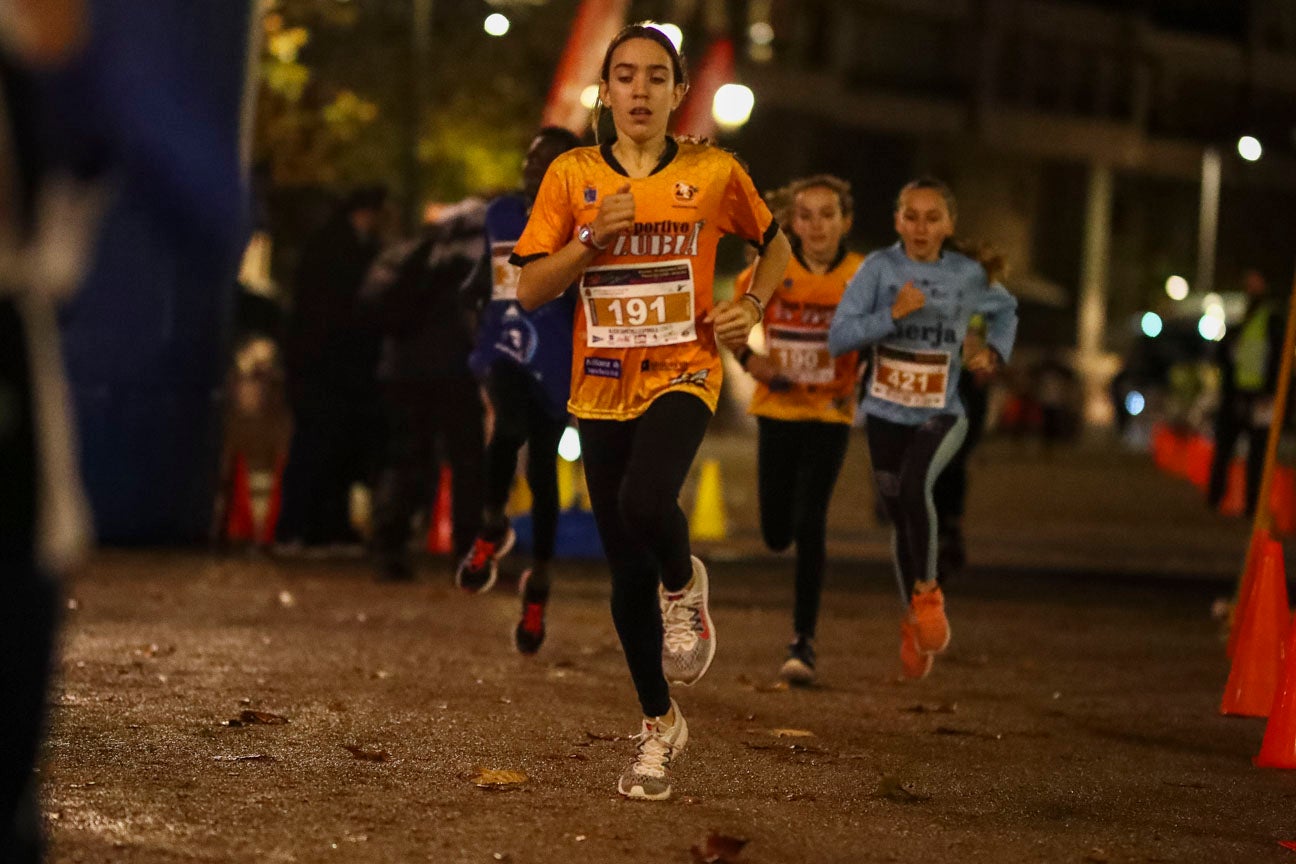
column 635, row 223
column 804, row 398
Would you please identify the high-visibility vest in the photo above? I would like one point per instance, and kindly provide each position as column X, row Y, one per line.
column 1251, row 352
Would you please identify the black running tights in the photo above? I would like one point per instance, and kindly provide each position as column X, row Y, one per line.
column 634, row 470
column 521, row 418
column 907, row 459
column 799, row 463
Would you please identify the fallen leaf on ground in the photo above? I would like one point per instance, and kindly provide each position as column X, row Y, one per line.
column 971, row 733
column 763, row 686
column 718, row 849
column 791, row 748
column 791, row 733
column 250, row 757
column 899, row 791
column 943, row 708
column 368, row 754
column 601, row 736
column 498, row 778
column 1288, row 844
column 1096, row 856
column 263, row 718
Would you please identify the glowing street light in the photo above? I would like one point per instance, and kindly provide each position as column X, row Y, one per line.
column 673, row 33
column 1249, row 148
column 1176, row 287
column 732, row 105
column 1134, row 403
column 1151, row 324
column 589, row 97
column 496, row 24
column 1211, row 327
column 569, row 445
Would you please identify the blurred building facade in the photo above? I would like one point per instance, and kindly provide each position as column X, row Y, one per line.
column 1076, row 135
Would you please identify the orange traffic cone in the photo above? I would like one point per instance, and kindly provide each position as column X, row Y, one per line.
column 440, row 538
column 1234, row 501
column 239, row 524
column 1200, row 453
column 1160, row 446
column 1258, row 657
column 1279, row 747
column 274, row 506
column 1255, row 553
column 1282, row 500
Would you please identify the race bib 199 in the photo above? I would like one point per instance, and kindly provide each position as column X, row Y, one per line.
column 801, row 354
column 634, row 305
column 915, row 379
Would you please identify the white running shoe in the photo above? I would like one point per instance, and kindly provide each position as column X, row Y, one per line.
column 648, row 777
column 688, row 636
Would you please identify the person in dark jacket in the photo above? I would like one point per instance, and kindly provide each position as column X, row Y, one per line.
column 1248, row 357
column 330, row 357
column 426, row 296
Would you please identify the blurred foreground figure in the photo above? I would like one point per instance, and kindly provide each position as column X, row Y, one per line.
column 44, row 228
column 75, row 106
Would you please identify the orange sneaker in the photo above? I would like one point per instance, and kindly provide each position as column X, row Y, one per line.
column 931, row 627
column 913, row 662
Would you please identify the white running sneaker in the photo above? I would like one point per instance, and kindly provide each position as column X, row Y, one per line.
column 688, row 636
column 648, row 777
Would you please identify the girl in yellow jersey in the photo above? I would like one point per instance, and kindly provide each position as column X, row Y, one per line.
column 804, row 398
column 635, row 223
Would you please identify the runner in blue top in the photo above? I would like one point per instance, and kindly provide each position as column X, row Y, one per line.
column 910, row 304
column 524, row 359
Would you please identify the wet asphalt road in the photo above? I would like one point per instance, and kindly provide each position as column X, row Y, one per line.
column 1074, row 719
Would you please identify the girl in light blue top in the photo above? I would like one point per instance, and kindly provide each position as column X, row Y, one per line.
column 908, row 305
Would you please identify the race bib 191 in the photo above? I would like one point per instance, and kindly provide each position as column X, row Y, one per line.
column 801, row 354
column 636, row 305
column 915, row 379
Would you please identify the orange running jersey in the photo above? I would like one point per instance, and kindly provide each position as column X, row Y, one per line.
column 639, row 331
column 796, row 340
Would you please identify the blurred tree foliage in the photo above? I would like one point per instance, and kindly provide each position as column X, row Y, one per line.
column 335, row 92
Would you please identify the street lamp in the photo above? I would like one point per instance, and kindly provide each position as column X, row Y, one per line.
column 1249, row 148
column 732, row 105
column 1176, row 288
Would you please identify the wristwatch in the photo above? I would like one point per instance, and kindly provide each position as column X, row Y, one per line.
column 585, row 234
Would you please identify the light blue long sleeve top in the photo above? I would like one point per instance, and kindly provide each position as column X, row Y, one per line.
column 956, row 288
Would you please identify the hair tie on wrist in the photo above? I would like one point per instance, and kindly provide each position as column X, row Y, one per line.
column 756, row 301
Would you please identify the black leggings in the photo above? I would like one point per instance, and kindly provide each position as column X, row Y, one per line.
column 799, row 463
column 521, row 418
column 634, row 470
column 906, row 462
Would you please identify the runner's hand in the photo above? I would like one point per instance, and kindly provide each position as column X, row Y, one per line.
column 733, row 321
column 761, row 368
column 615, row 215
column 984, row 361
column 908, row 301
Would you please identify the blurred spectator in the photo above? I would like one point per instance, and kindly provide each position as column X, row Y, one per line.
column 1248, row 358
column 330, row 357
column 426, row 296
column 1055, row 392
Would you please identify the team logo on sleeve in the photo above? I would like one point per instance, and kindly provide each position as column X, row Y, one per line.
column 685, row 191
column 698, row 378
column 591, row 194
